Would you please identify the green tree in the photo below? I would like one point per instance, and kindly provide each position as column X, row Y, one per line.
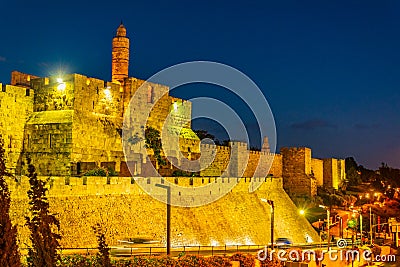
column 201, row 134
column 153, row 141
column 353, row 176
column 41, row 224
column 104, row 251
column 9, row 254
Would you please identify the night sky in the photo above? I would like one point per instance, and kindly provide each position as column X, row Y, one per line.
column 330, row 70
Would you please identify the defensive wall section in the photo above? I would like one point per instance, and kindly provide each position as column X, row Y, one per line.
column 302, row 173
column 125, row 210
column 16, row 104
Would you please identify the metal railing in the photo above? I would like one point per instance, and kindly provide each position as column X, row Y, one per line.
column 122, row 251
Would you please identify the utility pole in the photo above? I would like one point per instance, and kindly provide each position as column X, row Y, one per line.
column 361, row 227
column 328, row 215
column 370, row 224
column 271, row 203
column 168, row 188
column 272, row 222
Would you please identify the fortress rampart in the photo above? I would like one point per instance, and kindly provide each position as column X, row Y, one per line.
column 71, row 124
column 125, row 210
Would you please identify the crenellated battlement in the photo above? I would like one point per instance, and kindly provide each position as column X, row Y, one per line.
column 95, row 185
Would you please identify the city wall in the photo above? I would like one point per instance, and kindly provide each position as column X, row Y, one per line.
column 124, row 210
column 317, row 169
column 16, row 104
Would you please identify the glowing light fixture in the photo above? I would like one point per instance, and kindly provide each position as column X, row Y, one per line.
column 175, row 106
column 60, row 80
column 61, row 86
column 107, row 94
column 302, row 212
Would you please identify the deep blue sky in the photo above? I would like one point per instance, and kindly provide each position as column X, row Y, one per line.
column 329, row 69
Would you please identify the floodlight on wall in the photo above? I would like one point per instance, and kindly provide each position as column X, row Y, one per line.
column 107, row 93
column 61, row 86
column 60, row 80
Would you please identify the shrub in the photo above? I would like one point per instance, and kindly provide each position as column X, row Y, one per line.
column 41, row 225
column 103, row 172
column 104, row 251
column 9, row 255
column 245, row 260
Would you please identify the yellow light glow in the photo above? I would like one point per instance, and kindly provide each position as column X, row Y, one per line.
column 61, row 86
column 214, row 243
column 59, row 80
column 108, row 94
column 87, row 82
column 302, row 212
column 175, row 106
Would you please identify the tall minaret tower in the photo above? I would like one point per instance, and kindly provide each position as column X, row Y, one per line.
column 120, row 56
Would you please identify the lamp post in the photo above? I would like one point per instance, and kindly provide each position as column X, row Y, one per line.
column 370, row 224
column 328, row 215
column 271, row 203
column 168, row 188
column 361, row 228
column 361, row 224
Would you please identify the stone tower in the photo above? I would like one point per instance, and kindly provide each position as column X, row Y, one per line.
column 120, row 56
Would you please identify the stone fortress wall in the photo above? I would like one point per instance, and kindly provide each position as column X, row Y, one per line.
column 16, row 105
column 125, row 210
column 71, row 124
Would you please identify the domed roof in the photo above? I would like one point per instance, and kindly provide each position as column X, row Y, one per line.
column 121, row 31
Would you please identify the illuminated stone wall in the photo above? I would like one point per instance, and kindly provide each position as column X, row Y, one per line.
column 276, row 166
column 297, row 178
column 253, row 159
column 21, row 79
column 125, row 210
column 317, row 168
column 16, row 104
column 120, row 56
column 334, row 172
column 48, row 142
column 219, row 163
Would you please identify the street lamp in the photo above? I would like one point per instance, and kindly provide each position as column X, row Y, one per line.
column 370, row 224
column 168, row 188
column 361, row 224
column 328, row 215
column 271, row 203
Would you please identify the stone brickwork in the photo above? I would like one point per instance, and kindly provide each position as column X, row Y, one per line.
column 276, row 166
column 317, row 169
column 219, row 159
column 125, row 210
column 334, row 172
column 252, row 163
column 16, row 104
column 297, row 178
column 120, row 56
column 21, row 79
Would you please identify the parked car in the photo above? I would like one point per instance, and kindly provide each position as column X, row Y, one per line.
column 283, row 241
column 131, row 246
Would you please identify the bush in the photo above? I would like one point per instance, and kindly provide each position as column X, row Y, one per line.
column 103, row 172
column 245, row 260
